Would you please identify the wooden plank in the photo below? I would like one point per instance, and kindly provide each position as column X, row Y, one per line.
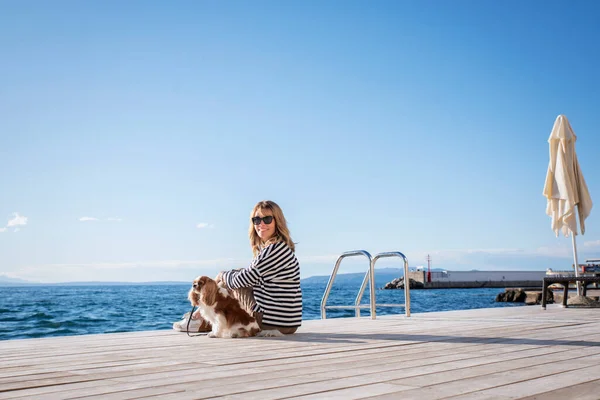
column 524, row 375
column 206, row 385
column 393, row 358
column 462, row 352
column 133, row 394
column 352, row 393
column 45, row 391
column 359, row 374
column 498, row 363
column 292, row 388
column 584, row 375
column 585, row 391
column 351, row 370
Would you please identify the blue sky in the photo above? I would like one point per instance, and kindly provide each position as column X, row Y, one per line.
column 135, row 137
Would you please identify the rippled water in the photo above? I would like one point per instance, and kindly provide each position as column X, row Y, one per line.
column 40, row 311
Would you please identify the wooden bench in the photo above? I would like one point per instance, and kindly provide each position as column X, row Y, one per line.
column 565, row 280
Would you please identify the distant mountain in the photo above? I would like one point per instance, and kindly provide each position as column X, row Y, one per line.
column 119, row 283
column 382, row 276
column 6, row 280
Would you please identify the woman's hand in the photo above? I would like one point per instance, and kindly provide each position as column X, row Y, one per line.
column 219, row 277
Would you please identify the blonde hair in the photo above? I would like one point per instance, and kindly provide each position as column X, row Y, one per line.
column 282, row 233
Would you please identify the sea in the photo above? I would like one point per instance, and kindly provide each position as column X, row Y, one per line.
column 64, row 310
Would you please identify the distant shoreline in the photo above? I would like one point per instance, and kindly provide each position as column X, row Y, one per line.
column 382, row 276
column 92, row 283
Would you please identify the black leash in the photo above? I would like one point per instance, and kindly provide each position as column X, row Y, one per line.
column 187, row 328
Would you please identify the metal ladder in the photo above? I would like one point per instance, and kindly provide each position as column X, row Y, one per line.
column 369, row 277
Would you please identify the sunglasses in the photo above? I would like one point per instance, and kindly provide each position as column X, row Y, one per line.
column 267, row 220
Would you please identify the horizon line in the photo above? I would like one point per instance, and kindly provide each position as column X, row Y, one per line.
column 19, row 281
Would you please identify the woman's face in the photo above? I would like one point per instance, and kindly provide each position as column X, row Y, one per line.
column 264, row 230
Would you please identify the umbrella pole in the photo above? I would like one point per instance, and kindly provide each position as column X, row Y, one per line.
column 579, row 291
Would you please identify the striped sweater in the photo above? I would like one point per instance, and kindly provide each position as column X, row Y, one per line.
column 274, row 275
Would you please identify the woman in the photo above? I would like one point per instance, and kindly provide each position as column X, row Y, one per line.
column 269, row 289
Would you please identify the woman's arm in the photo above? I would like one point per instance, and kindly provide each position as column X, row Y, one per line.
column 265, row 262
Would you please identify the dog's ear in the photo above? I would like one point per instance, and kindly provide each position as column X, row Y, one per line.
column 193, row 297
column 208, row 295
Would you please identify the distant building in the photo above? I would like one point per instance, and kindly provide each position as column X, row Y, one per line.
column 474, row 279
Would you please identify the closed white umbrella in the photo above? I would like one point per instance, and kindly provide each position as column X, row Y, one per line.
column 565, row 189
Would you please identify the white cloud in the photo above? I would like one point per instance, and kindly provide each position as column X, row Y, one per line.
column 558, row 256
column 331, row 258
column 134, row 271
column 311, row 264
column 593, row 243
column 561, row 251
column 16, row 220
column 202, row 225
column 84, row 219
column 493, row 251
column 112, row 219
column 558, row 251
column 173, row 264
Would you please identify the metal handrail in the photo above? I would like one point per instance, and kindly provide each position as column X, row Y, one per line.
column 369, row 277
column 361, row 291
column 332, row 278
column 406, row 279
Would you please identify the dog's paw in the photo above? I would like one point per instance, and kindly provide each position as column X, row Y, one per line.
column 197, row 315
column 270, row 333
column 211, row 335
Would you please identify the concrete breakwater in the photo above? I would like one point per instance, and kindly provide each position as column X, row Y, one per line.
column 470, row 279
column 520, row 295
column 481, row 284
column 529, row 296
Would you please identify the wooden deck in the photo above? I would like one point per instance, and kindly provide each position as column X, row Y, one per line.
column 502, row 353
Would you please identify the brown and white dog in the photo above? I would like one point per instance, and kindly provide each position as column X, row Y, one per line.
column 218, row 306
